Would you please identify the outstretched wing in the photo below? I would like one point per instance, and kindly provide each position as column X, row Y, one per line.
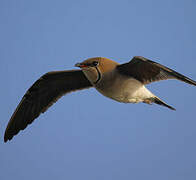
column 147, row 71
column 41, row 95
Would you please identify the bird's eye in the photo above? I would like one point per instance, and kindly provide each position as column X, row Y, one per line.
column 95, row 63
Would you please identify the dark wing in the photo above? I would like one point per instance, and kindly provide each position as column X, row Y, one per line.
column 41, row 95
column 147, row 71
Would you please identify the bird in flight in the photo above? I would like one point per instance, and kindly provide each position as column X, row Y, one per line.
column 121, row 82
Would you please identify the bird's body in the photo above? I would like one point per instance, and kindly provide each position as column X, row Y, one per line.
column 121, row 82
column 129, row 89
column 111, row 83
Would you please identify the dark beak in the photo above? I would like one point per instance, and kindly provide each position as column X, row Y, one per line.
column 80, row 65
column 77, row 65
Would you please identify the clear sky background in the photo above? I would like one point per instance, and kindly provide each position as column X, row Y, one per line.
column 86, row 135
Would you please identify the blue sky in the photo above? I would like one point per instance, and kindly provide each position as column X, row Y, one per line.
column 85, row 135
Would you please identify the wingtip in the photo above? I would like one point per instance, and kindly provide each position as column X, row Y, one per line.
column 6, row 138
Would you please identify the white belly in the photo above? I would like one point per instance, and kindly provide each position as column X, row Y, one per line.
column 127, row 90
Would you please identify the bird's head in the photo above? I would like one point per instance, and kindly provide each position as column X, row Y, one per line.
column 95, row 68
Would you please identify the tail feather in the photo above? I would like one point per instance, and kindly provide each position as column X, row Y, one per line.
column 160, row 102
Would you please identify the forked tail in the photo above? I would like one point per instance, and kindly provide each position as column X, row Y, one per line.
column 160, row 102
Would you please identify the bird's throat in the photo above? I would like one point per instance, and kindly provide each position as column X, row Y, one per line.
column 99, row 76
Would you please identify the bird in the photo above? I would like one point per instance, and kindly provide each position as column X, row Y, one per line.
column 121, row 82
